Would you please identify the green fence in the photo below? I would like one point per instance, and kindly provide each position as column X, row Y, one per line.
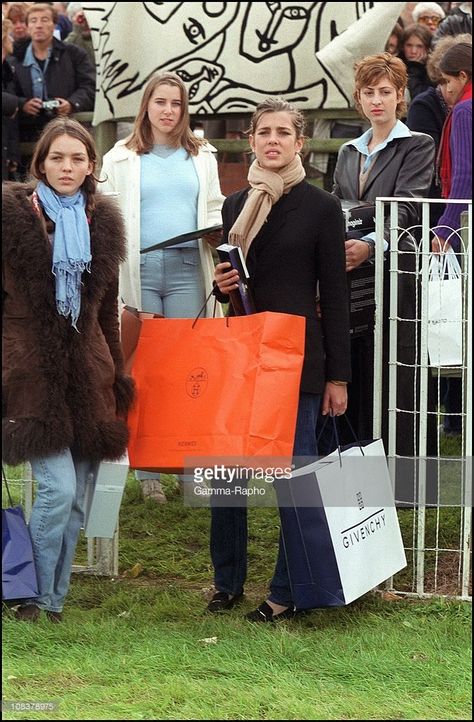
column 106, row 134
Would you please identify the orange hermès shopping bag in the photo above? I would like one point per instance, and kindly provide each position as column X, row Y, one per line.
column 215, row 387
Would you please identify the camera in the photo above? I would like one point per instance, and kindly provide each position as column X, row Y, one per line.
column 50, row 104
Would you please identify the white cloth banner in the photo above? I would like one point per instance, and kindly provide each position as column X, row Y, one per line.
column 232, row 55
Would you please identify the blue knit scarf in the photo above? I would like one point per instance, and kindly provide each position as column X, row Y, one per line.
column 71, row 247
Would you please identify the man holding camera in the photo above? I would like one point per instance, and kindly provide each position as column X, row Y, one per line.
column 51, row 77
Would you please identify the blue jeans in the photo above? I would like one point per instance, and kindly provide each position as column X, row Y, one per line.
column 172, row 282
column 228, row 542
column 173, row 285
column 55, row 522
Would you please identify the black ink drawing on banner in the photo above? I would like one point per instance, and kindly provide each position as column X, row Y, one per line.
column 231, row 55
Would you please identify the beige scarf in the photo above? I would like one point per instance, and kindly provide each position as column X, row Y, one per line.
column 267, row 188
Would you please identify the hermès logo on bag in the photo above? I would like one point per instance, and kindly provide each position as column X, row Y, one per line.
column 196, row 382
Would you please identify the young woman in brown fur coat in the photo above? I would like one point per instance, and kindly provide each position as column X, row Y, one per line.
column 64, row 389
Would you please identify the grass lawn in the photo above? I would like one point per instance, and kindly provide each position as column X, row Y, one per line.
column 140, row 647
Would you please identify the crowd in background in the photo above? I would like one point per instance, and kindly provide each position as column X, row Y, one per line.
column 48, row 69
column 413, row 39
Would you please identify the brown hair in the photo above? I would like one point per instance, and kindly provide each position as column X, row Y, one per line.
column 397, row 30
column 54, row 129
column 277, row 105
column 17, row 11
column 41, row 8
column 457, row 59
column 439, row 50
column 7, row 43
column 420, row 31
column 373, row 68
column 141, row 139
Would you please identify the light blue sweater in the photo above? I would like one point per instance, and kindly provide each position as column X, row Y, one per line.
column 169, row 189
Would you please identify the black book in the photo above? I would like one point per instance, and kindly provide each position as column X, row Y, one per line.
column 241, row 299
column 360, row 220
column 182, row 238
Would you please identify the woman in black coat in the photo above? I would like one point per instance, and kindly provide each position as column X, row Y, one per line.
column 292, row 235
column 65, row 392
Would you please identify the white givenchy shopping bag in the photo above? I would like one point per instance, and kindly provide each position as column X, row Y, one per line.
column 445, row 310
column 347, row 540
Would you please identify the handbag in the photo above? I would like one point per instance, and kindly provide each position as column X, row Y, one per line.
column 445, row 310
column 18, row 567
column 215, row 387
column 340, row 528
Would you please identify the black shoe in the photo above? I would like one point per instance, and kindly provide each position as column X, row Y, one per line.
column 264, row 613
column 54, row 617
column 28, row 613
column 221, row 602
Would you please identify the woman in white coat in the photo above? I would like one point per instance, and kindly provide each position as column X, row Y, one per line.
column 167, row 184
column 162, row 194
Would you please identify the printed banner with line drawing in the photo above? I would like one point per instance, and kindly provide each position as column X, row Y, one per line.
column 232, row 55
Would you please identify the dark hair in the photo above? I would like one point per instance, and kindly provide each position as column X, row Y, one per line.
column 373, row 68
column 277, row 105
column 456, row 59
column 397, row 30
column 54, row 129
column 420, row 31
column 141, row 139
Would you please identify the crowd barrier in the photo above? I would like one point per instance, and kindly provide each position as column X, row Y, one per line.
column 438, row 535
